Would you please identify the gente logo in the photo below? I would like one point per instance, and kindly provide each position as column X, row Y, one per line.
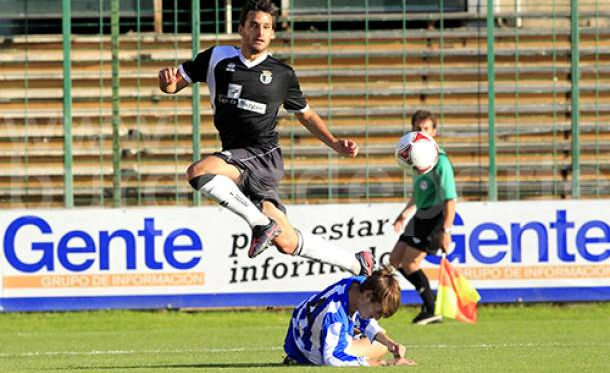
column 73, row 247
column 585, row 235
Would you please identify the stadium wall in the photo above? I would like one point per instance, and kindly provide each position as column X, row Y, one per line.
column 176, row 257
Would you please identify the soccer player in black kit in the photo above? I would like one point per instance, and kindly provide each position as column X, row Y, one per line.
column 247, row 87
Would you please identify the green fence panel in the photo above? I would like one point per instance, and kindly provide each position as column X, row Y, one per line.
column 521, row 92
column 67, row 100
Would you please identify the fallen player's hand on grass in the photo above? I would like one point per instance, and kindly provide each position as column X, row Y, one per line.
column 394, row 362
column 403, row 361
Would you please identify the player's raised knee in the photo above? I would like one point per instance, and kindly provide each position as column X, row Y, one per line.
column 193, row 171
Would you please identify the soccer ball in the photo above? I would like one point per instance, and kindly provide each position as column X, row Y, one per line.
column 416, row 153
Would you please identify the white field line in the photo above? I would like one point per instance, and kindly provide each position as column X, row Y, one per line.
column 128, row 352
column 246, row 349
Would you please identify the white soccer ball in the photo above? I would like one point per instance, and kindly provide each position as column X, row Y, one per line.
column 416, row 153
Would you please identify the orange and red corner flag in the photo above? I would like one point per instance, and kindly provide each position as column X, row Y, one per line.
column 455, row 297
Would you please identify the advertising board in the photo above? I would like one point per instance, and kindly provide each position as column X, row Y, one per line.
column 175, row 257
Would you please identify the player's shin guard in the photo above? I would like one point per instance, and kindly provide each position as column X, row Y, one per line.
column 316, row 248
column 422, row 286
column 224, row 191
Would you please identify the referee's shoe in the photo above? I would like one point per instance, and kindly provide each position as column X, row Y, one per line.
column 425, row 318
column 262, row 235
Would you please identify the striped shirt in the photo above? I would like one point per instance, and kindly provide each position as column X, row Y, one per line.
column 321, row 330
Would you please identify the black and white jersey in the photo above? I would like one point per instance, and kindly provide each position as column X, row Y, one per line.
column 246, row 95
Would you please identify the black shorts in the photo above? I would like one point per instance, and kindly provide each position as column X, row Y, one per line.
column 262, row 168
column 423, row 231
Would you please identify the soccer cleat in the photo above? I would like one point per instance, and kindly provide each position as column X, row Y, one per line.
column 290, row 361
column 262, row 235
column 425, row 318
column 367, row 262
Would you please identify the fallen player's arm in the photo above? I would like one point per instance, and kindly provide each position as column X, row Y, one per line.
column 395, row 348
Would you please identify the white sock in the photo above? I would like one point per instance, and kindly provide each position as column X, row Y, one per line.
column 224, row 191
column 316, row 248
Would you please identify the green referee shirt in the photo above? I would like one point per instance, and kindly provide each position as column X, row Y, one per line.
column 437, row 186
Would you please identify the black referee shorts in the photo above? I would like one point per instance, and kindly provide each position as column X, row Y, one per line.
column 423, row 231
column 262, row 168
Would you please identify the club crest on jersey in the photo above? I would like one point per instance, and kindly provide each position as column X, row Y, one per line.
column 423, row 185
column 231, row 67
column 266, row 77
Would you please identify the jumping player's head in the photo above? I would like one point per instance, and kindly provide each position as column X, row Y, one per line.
column 257, row 25
column 424, row 121
column 381, row 294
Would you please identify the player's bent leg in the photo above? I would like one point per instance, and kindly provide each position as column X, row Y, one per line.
column 310, row 246
column 212, row 165
column 217, row 179
column 287, row 240
column 363, row 347
column 316, row 248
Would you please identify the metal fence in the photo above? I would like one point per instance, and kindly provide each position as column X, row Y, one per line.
column 521, row 92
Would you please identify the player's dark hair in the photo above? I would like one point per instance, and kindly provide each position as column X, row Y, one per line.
column 266, row 6
column 385, row 290
column 420, row 116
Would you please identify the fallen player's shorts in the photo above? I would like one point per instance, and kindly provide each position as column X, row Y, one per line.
column 262, row 168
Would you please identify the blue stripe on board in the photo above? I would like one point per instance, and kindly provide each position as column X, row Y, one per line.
column 560, row 294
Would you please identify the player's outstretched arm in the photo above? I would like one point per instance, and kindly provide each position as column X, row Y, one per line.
column 314, row 124
column 170, row 80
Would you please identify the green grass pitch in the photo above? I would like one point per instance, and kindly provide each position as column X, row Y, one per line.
column 536, row 338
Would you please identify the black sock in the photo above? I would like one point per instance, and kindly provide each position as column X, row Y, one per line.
column 199, row 181
column 422, row 286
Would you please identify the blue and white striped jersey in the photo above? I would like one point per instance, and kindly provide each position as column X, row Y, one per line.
column 321, row 330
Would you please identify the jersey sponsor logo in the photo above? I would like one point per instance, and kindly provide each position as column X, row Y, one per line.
column 243, row 104
column 230, row 67
column 254, row 106
column 266, row 77
column 227, row 100
column 234, row 90
column 423, row 185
